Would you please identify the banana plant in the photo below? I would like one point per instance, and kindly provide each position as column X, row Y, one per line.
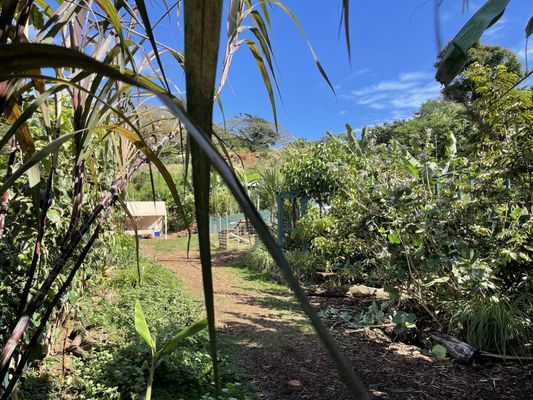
column 141, row 327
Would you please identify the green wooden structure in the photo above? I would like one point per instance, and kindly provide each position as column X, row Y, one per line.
column 287, row 226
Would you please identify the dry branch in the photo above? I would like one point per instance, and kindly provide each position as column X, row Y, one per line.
column 459, row 350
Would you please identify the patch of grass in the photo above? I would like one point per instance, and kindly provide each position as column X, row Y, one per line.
column 502, row 325
column 177, row 244
column 115, row 366
column 276, row 297
column 260, row 281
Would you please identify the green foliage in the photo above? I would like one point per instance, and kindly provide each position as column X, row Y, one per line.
column 259, row 259
column 117, row 369
column 250, row 131
column 462, row 88
column 301, row 261
column 439, row 351
column 403, row 321
column 316, row 169
column 141, row 327
column 108, row 374
column 426, row 135
column 437, row 208
column 454, row 55
column 374, row 315
column 499, row 323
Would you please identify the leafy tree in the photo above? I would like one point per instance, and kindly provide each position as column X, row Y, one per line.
column 315, row 169
column 253, row 131
column 462, row 88
column 426, row 134
column 451, row 229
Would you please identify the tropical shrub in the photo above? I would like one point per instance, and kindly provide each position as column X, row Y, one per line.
column 446, row 225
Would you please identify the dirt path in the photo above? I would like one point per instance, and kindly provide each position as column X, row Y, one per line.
column 270, row 339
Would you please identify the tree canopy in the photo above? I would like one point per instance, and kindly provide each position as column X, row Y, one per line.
column 253, row 132
column 462, row 88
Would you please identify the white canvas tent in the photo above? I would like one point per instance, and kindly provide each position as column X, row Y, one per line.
column 150, row 218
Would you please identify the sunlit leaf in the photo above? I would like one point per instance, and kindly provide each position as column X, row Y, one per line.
column 141, row 327
column 175, row 341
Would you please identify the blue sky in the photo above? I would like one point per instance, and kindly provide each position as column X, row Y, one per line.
column 391, row 72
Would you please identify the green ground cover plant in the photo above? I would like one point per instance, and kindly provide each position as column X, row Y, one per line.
column 116, row 364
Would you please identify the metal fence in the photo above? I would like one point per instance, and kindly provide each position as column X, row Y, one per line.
column 218, row 223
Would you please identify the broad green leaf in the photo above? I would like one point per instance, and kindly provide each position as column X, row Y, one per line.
column 173, row 343
column 141, row 327
column 439, row 351
column 412, row 165
column 451, row 145
column 394, row 238
column 529, row 27
column 53, row 216
column 24, row 56
column 456, row 53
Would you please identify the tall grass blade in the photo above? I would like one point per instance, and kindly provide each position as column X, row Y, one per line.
column 148, row 27
column 202, row 35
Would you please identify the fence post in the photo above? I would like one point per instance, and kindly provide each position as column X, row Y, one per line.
column 281, row 222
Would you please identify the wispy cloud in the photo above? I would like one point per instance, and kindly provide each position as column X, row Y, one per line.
column 398, row 96
column 358, row 72
column 497, row 30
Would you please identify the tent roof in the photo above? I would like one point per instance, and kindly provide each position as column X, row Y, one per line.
column 146, row 208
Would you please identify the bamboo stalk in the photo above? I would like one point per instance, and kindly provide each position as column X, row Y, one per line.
column 74, row 241
column 45, row 205
column 5, row 196
column 35, row 337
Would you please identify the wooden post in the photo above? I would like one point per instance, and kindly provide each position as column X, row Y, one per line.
column 223, row 239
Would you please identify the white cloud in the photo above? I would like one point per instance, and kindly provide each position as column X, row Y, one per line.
column 359, row 72
column 399, row 96
column 415, row 76
column 497, row 30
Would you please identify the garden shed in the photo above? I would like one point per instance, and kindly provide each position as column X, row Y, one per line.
column 149, row 216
